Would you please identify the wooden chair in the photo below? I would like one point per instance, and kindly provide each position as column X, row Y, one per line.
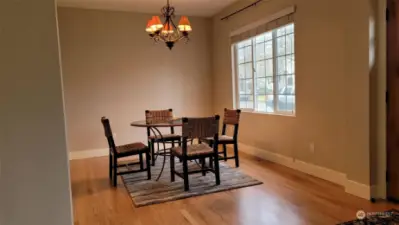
column 160, row 115
column 116, row 152
column 197, row 128
column 231, row 118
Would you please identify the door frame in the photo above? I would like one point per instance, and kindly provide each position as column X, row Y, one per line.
column 378, row 106
column 388, row 75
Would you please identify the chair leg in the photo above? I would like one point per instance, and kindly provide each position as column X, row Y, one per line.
column 141, row 161
column 115, row 168
column 217, row 172
column 153, row 153
column 172, row 168
column 179, row 142
column 185, row 173
column 225, row 152
column 147, row 159
column 210, row 158
column 203, row 167
column 236, row 154
column 110, row 166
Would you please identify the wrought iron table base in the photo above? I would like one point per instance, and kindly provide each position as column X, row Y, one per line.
column 158, row 136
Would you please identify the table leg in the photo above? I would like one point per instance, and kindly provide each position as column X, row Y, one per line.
column 158, row 135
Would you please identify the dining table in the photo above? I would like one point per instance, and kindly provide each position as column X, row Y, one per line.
column 154, row 126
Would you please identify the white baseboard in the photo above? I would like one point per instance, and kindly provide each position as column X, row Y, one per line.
column 269, row 156
column 358, row 189
column 88, row 153
column 321, row 172
column 352, row 187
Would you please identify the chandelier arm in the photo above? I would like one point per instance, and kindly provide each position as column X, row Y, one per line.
column 167, row 10
column 182, row 37
column 161, row 38
column 179, row 34
column 166, row 36
column 174, row 25
column 165, row 22
column 172, row 12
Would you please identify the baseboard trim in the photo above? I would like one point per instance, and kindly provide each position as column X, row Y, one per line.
column 358, row 189
column 321, row 172
column 85, row 154
column 269, row 156
column 352, row 187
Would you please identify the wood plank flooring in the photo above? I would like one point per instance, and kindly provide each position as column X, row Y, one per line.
column 287, row 197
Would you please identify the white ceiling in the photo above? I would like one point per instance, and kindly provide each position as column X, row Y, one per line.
column 205, row 8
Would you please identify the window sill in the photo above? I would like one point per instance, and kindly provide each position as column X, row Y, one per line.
column 268, row 114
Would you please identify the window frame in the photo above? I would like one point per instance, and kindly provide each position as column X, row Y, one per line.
column 236, row 78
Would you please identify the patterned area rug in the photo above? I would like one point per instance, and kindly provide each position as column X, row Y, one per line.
column 146, row 192
column 390, row 217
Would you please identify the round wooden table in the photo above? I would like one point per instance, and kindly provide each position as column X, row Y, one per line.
column 153, row 126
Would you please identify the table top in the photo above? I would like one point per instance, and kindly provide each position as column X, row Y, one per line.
column 177, row 122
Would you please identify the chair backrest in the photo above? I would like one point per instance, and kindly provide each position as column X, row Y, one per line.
column 159, row 115
column 231, row 116
column 201, row 127
column 108, row 132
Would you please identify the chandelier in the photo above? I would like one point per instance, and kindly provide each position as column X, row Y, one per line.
column 167, row 31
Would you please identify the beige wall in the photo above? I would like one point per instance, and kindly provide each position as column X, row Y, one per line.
column 34, row 174
column 111, row 68
column 332, row 83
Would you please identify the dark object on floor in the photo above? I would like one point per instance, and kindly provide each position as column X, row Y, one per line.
column 390, row 217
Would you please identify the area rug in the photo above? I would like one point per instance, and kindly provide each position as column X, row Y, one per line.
column 147, row 192
column 390, row 217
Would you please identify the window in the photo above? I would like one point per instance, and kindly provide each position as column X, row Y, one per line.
column 265, row 74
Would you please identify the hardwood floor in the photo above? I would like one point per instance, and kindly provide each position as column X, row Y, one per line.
column 287, row 197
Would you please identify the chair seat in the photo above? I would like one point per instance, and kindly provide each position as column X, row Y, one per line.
column 165, row 137
column 193, row 150
column 131, row 148
column 222, row 138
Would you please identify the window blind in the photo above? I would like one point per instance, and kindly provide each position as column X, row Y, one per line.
column 279, row 19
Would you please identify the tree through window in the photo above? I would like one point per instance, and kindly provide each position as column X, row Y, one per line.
column 266, row 72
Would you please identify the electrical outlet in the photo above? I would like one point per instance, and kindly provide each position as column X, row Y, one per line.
column 311, row 147
column 114, row 135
